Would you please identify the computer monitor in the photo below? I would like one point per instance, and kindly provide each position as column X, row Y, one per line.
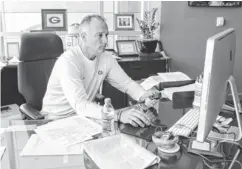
column 218, row 67
column 217, row 78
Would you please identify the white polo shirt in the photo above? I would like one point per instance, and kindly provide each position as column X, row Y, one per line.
column 75, row 80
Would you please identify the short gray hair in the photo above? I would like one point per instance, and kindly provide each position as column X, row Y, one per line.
column 87, row 19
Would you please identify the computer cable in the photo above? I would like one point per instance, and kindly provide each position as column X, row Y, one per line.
column 232, row 145
column 240, row 147
column 235, row 159
column 225, row 161
column 225, row 158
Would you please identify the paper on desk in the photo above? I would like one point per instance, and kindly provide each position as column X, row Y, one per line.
column 35, row 146
column 119, row 152
column 173, row 76
column 168, row 92
column 21, row 128
column 2, row 150
column 2, row 130
column 151, row 82
column 69, row 131
column 14, row 60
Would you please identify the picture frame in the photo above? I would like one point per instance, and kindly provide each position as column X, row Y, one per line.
column 124, row 21
column 54, row 19
column 12, row 49
column 126, row 48
column 232, row 4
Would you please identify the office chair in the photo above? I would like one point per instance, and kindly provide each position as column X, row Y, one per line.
column 38, row 54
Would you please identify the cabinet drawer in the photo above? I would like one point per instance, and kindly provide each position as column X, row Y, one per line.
column 143, row 69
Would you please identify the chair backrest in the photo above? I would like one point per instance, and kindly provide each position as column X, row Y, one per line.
column 38, row 53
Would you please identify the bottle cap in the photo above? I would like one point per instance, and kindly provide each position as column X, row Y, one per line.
column 107, row 100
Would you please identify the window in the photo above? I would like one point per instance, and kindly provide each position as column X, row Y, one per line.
column 25, row 16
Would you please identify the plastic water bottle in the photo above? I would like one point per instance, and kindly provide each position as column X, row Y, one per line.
column 198, row 93
column 108, row 116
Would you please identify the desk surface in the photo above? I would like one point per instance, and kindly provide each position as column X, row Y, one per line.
column 16, row 140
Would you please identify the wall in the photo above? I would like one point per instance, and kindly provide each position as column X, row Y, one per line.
column 184, row 31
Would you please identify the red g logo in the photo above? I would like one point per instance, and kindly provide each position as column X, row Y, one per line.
column 54, row 19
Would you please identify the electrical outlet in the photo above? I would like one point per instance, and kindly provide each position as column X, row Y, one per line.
column 220, row 21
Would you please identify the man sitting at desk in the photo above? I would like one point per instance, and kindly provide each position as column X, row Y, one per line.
column 79, row 72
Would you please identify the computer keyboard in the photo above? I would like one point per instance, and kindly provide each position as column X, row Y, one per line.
column 186, row 124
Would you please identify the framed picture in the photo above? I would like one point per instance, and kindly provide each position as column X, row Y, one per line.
column 126, row 48
column 214, row 3
column 54, row 19
column 12, row 49
column 124, row 21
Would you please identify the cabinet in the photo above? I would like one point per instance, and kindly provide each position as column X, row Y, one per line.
column 9, row 86
column 137, row 69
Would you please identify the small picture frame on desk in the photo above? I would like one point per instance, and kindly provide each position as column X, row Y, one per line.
column 12, row 50
column 127, row 48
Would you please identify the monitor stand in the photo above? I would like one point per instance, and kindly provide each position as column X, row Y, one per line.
column 231, row 138
column 206, row 147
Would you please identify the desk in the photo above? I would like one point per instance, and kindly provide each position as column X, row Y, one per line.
column 15, row 142
column 9, row 86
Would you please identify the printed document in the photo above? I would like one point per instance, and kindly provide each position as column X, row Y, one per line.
column 163, row 77
column 173, row 76
column 168, row 92
column 151, row 82
column 69, row 131
column 119, row 152
column 35, row 146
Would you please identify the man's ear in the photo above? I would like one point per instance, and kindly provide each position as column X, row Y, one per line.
column 83, row 36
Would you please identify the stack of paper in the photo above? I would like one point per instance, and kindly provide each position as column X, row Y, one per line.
column 168, row 92
column 163, row 77
column 69, row 131
column 62, row 136
column 119, row 152
column 151, row 82
column 14, row 60
column 35, row 146
column 173, row 76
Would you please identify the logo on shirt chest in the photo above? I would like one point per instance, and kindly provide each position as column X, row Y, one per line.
column 100, row 72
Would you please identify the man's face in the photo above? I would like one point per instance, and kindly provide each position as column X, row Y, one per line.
column 97, row 37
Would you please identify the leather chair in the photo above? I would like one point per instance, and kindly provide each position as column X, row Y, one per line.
column 38, row 54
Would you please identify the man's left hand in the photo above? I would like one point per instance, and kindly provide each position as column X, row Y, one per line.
column 153, row 94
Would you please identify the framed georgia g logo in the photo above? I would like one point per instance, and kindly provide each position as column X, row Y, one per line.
column 54, row 19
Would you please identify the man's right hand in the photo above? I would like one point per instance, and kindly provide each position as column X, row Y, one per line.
column 134, row 117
